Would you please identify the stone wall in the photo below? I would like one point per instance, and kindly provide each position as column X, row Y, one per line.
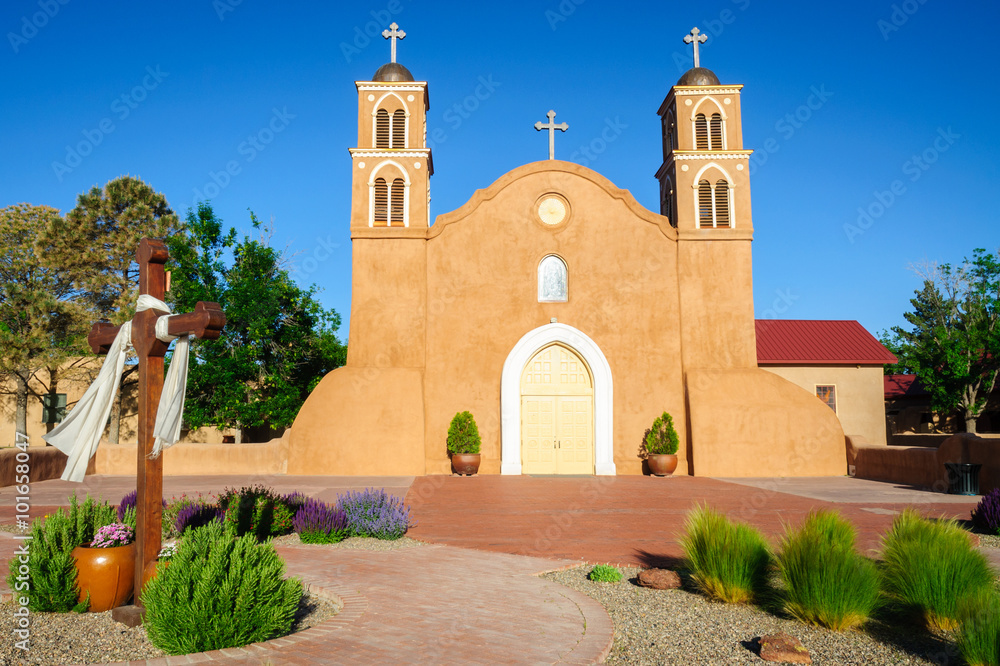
column 924, row 466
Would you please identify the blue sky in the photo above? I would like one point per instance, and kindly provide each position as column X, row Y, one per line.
column 871, row 120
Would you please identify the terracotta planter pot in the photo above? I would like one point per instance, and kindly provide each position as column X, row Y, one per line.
column 466, row 463
column 149, row 573
column 108, row 574
column 662, row 464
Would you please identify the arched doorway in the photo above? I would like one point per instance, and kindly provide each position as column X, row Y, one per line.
column 510, row 394
column 557, row 413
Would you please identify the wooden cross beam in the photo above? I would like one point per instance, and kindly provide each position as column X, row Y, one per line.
column 206, row 322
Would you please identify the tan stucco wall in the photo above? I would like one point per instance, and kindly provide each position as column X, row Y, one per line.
column 860, row 394
column 754, row 423
column 44, row 463
column 199, row 459
column 361, row 421
column 925, row 466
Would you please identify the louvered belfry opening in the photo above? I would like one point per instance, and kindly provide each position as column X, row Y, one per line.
column 706, row 218
column 399, row 129
column 722, row 204
column 700, row 132
column 381, row 216
column 716, row 132
column 396, row 210
column 382, row 129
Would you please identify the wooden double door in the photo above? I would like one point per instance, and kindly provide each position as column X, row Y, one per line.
column 557, row 413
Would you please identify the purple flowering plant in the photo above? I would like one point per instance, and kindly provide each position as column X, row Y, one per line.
column 986, row 515
column 318, row 522
column 110, row 536
column 375, row 513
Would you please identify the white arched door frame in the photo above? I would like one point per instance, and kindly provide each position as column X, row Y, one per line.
column 510, row 395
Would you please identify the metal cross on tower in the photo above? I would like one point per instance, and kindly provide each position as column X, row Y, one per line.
column 694, row 38
column 392, row 35
column 551, row 127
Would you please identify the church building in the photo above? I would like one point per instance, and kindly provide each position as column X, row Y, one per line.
column 560, row 312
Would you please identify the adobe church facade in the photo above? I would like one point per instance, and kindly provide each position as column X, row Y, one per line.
column 559, row 311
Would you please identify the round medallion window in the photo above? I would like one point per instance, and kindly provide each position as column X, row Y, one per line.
column 552, row 209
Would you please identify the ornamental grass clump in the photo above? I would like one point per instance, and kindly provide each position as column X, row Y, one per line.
column 728, row 561
column 828, row 583
column 978, row 635
column 318, row 522
column 219, row 591
column 604, row 573
column 48, row 579
column 986, row 515
column 930, row 567
column 374, row 513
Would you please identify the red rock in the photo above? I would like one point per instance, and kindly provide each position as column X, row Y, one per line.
column 659, row 579
column 783, row 648
column 974, row 540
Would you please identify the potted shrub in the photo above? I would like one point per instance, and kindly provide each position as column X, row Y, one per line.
column 659, row 446
column 463, row 444
column 106, row 567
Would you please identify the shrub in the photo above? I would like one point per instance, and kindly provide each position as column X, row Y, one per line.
column 374, row 513
column 219, row 591
column 49, row 577
column 318, row 522
column 255, row 510
column 986, row 515
column 979, row 629
column 194, row 515
column 294, row 501
column 661, row 437
column 827, row 582
column 463, row 435
column 930, row 566
column 604, row 573
column 728, row 561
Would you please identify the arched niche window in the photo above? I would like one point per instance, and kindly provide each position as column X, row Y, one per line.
column 700, row 132
column 382, row 129
column 713, row 205
column 399, row 129
column 397, row 202
column 381, row 203
column 552, row 280
column 715, row 133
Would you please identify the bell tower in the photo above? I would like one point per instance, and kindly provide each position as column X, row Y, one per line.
column 390, row 195
column 705, row 192
column 392, row 164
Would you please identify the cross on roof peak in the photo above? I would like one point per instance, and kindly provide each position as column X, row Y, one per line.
column 551, row 127
column 392, row 35
column 695, row 38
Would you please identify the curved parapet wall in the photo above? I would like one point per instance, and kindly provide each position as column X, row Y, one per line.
column 750, row 422
column 361, row 421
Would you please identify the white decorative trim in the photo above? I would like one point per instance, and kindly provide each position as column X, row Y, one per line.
column 406, row 176
column 712, row 155
column 707, row 98
column 510, row 395
column 386, row 152
column 392, row 85
column 705, row 168
column 701, row 90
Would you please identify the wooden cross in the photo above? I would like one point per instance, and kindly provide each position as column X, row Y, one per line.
column 206, row 322
column 695, row 38
column 392, row 35
column 551, row 127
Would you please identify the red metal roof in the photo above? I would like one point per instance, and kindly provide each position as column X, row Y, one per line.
column 903, row 386
column 781, row 341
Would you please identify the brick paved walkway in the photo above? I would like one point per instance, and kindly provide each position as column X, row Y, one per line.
column 491, row 534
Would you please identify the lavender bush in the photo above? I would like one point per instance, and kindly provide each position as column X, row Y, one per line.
column 115, row 534
column 196, row 515
column 129, row 502
column 374, row 513
column 986, row 515
column 318, row 522
column 294, row 501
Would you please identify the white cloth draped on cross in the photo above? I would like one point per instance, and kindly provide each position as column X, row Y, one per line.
column 80, row 433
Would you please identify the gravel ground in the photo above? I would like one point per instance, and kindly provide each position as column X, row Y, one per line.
column 71, row 638
column 682, row 627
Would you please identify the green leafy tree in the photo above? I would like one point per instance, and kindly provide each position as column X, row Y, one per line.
column 954, row 343
column 43, row 325
column 278, row 341
column 96, row 242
